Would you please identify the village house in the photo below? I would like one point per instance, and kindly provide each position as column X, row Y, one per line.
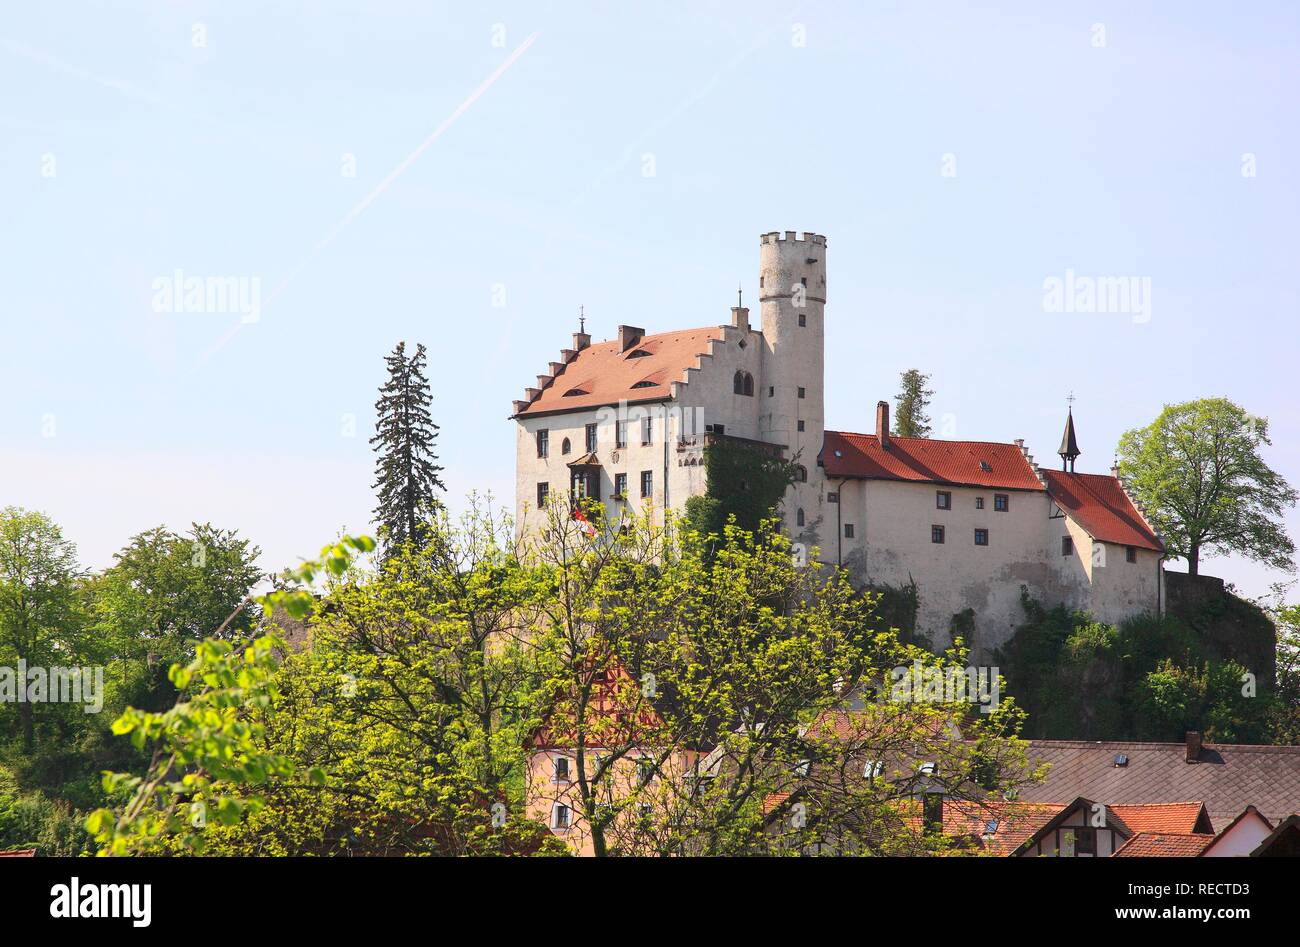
column 627, row 422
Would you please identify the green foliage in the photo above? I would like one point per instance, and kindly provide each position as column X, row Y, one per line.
column 741, row 483
column 910, row 417
column 32, row 820
column 655, row 650
column 406, row 475
column 208, row 756
column 1147, row 679
column 38, row 607
column 164, row 593
column 1198, row 470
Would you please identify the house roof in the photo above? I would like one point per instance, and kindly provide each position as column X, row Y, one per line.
column 1098, row 504
column 1179, row 817
column 1167, row 844
column 1282, row 840
column 19, row 853
column 603, row 374
column 1226, row 777
column 926, row 460
column 1013, row 823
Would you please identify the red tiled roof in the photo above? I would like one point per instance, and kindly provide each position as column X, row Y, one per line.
column 602, row 374
column 1013, row 823
column 1098, row 504
column 925, row 460
column 1164, row 844
column 19, row 853
column 1177, row 817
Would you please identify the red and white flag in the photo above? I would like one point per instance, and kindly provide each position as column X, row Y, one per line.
column 585, row 524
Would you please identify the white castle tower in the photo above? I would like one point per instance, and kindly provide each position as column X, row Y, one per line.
column 792, row 294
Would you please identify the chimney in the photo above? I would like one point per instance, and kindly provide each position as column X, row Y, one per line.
column 740, row 317
column 1193, row 746
column 581, row 340
column 628, row 336
column 882, row 424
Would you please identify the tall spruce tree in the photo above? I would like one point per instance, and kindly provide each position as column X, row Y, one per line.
column 405, row 473
column 910, row 418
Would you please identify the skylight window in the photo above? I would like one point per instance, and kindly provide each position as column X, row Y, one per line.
column 985, row 466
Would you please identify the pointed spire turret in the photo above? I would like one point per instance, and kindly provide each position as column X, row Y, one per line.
column 1069, row 446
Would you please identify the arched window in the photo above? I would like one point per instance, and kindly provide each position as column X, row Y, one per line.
column 801, row 474
column 565, row 447
column 743, row 384
column 798, row 518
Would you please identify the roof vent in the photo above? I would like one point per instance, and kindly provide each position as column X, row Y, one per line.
column 984, row 466
column 1121, row 760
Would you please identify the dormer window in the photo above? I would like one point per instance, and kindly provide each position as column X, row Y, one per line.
column 638, row 353
column 574, row 392
column 644, row 384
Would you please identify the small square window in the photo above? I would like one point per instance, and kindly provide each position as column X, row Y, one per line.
column 1131, row 553
column 936, row 534
column 543, row 491
column 771, row 391
column 803, row 319
column 979, row 503
column 561, row 818
column 981, row 537
column 833, row 497
column 1067, row 546
column 942, row 500
column 1085, row 841
column 1001, row 502
column 802, row 392
column 801, row 425
column 848, row 530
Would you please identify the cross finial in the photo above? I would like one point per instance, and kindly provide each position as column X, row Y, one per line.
column 1070, row 398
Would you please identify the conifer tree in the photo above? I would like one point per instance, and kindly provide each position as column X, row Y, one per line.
column 406, row 474
column 910, row 419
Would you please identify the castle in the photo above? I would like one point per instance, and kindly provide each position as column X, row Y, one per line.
column 970, row 522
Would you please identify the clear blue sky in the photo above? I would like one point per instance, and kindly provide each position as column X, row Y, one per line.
column 227, row 159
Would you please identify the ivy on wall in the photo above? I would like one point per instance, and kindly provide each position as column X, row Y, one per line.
column 742, row 482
